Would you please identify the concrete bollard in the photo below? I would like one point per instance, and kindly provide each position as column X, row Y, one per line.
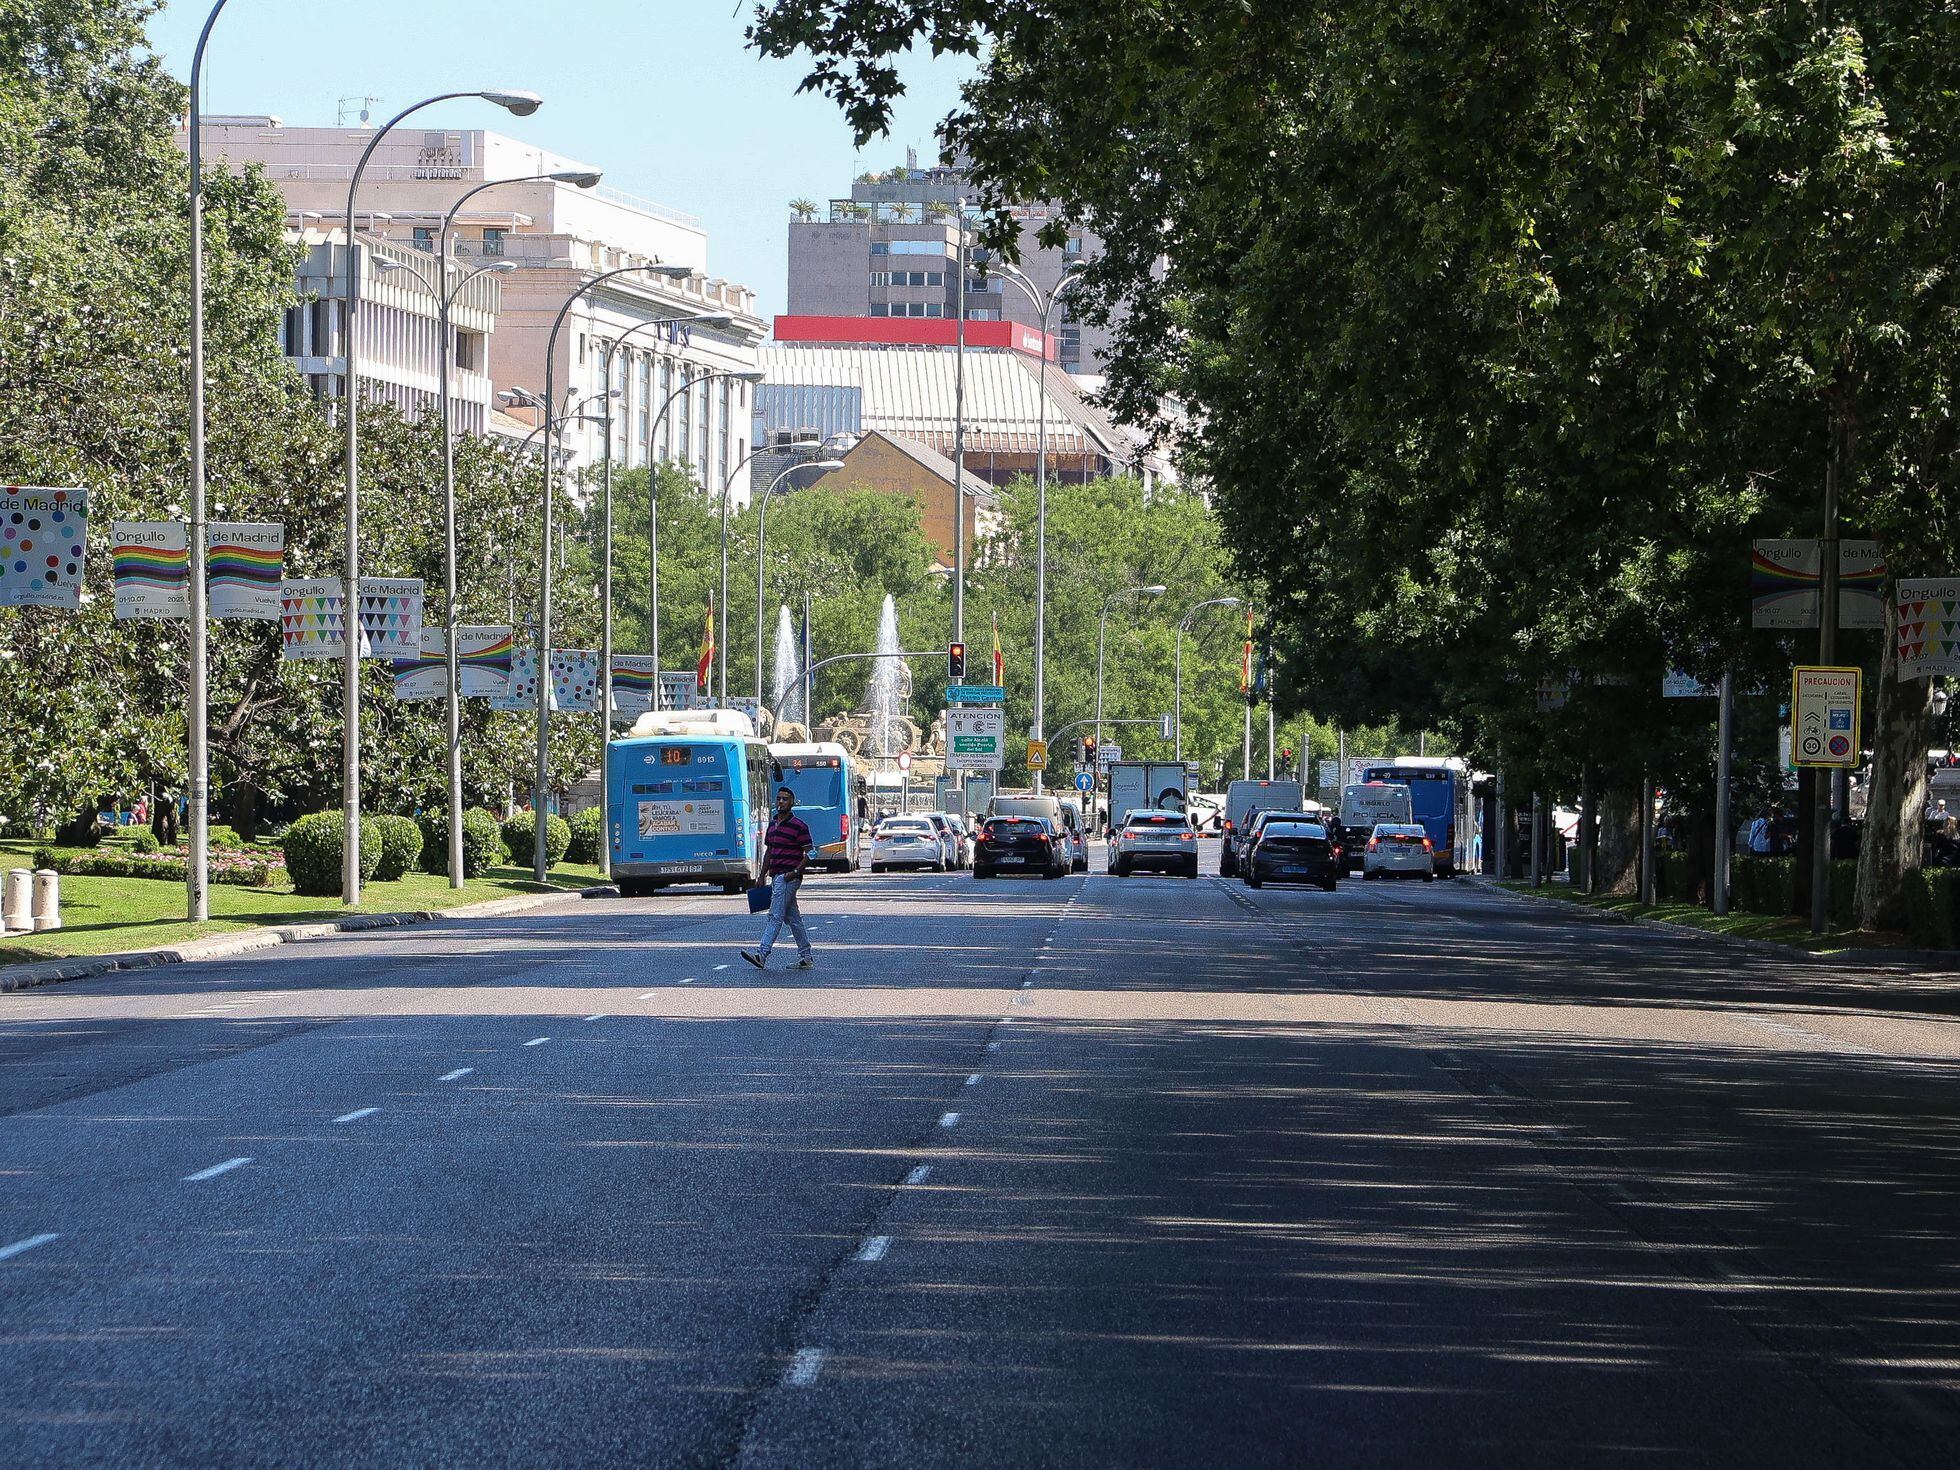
column 16, row 909
column 47, row 900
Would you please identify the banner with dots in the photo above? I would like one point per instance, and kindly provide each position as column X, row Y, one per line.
column 43, row 538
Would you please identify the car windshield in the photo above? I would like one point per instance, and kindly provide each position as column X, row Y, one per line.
column 1157, row 819
column 1396, row 829
column 1014, row 827
column 905, row 829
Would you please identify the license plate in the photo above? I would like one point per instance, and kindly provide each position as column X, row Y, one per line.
column 681, row 868
column 1007, row 860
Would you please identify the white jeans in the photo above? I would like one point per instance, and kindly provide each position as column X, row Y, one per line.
column 783, row 910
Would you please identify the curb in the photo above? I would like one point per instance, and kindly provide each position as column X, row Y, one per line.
column 223, row 946
column 1894, row 961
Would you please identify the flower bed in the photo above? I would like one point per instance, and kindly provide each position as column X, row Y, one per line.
column 241, row 869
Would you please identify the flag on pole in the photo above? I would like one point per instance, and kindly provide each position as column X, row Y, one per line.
column 707, row 662
column 1000, row 659
column 1245, row 665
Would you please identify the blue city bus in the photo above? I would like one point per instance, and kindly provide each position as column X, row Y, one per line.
column 1439, row 796
column 690, row 794
column 830, row 798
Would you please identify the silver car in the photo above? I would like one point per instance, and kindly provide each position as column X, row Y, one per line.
column 1399, row 850
column 910, row 842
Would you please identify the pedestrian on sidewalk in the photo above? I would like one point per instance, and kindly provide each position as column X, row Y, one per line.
column 785, row 856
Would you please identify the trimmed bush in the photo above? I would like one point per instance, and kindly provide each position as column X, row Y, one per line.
column 142, row 839
column 588, row 831
column 401, row 847
column 520, row 836
column 1764, row 885
column 1844, row 893
column 1933, row 907
column 483, row 842
column 313, row 848
column 225, row 836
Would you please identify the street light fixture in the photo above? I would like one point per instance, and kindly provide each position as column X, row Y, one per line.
column 1044, row 304
column 520, row 104
column 798, row 446
column 1184, row 625
column 1155, row 589
column 761, row 518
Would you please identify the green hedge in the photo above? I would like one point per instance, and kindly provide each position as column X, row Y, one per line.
column 483, row 842
column 588, row 831
column 97, row 864
column 1933, row 907
column 142, row 839
column 1763, row 885
column 313, row 852
column 401, row 847
column 1675, row 872
column 1844, row 893
column 521, row 837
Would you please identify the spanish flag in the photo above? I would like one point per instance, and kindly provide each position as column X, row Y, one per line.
column 707, row 663
column 1245, row 667
column 1000, row 659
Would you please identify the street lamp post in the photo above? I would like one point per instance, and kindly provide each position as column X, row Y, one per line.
column 1044, row 305
column 540, row 861
column 520, row 104
column 721, row 633
column 1155, row 589
column 761, row 517
column 1184, row 625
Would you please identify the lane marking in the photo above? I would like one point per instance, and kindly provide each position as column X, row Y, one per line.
column 919, row 1174
column 537, row 1041
column 815, row 1350
column 688, row 979
column 600, row 1017
column 357, row 1115
column 946, row 1120
column 972, row 1079
column 21, row 1247
column 452, row 1076
column 993, row 1046
column 874, row 1249
column 216, row 1169
column 804, row 1367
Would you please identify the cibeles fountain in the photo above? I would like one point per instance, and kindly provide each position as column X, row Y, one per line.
column 879, row 730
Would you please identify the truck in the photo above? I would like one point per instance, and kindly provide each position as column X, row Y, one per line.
column 1364, row 804
column 1145, row 785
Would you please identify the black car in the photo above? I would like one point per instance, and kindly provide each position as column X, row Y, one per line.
column 1021, row 845
column 1294, row 852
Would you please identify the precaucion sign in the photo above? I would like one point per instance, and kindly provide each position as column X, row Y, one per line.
column 1824, row 716
column 1037, row 755
column 976, row 739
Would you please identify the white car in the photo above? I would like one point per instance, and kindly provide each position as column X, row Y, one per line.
column 1159, row 840
column 954, row 835
column 910, row 842
column 1399, row 850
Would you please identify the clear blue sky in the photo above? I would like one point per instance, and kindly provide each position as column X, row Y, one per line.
column 661, row 94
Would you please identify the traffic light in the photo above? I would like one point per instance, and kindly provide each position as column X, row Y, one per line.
column 1088, row 750
column 956, row 660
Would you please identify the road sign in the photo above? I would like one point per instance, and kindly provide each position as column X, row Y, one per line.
column 1824, row 723
column 1686, row 686
column 905, row 760
column 1037, row 755
column 1330, row 775
column 1108, row 753
column 976, row 739
column 975, row 694
column 1084, row 781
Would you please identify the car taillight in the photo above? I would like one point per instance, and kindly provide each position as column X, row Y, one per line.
column 1427, row 845
column 1374, row 844
column 1187, row 837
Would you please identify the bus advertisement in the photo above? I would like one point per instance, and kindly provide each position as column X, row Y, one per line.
column 690, row 795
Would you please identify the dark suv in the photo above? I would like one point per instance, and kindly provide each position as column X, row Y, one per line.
column 1291, row 850
column 1021, row 845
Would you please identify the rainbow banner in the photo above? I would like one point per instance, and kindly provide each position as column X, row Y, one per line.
column 483, row 657
column 151, row 563
column 244, row 561
column 43, row 539
column 1929, row 627
column 425, row 676
column 632, row 684
column 312, row 618
column 1784, row 581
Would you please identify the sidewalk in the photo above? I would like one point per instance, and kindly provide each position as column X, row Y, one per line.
column 222, row 946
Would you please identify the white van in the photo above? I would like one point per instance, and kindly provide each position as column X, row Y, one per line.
column 1242, row 798
column 1363, row 807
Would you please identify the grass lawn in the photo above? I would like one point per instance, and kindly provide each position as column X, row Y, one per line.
column 104, row 915
column 1776, row 928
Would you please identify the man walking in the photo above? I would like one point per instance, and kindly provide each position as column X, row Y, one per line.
column 785, row 854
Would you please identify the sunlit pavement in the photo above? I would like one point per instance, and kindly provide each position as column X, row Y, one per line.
column 1094, row 1171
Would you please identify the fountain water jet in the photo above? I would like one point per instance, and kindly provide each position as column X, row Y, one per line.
column 786, row 689
column 884, row 701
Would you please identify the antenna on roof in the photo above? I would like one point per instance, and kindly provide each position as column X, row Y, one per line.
column 366, row 110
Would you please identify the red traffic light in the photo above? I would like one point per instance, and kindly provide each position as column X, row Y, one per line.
column 956, row 660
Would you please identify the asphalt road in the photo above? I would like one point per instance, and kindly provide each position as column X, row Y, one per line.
column 1090, row 1172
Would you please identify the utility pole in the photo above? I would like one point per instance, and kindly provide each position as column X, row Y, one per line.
column 1827, row 618
column 1724, row 838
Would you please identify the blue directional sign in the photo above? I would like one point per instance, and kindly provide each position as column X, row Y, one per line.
column 1084, row 781
column 975, row 694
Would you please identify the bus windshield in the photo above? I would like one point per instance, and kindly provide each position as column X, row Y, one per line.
column 817, row 781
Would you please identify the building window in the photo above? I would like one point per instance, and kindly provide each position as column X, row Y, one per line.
column 493, row 242
column 935, row 278
column 425, row 238
column 878, row 308
column 707, row 412
column 665, row 450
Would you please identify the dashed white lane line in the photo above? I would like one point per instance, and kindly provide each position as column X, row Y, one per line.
column 21, row 1247
column 723, row 967
column 689, row 979
column 452, row 1076
column 973, row 1079
column 949, row 1120
column 599, row 1017
column 537, row 1041
column 216, row 1169
column 920, row 1174
column 804, row 1367
column 874, row 1249
column 357, row 1115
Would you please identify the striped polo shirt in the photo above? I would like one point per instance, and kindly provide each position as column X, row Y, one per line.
column 783, row 848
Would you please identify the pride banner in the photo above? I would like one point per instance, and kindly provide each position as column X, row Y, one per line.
column 43, row 540
column 244, row 561
column 425, row 675
column 483, row 657
column 390, row 615
column 150, row 564
column 1784, row 581
column 1929, row 626
column 312, row 618
column 632, row 683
